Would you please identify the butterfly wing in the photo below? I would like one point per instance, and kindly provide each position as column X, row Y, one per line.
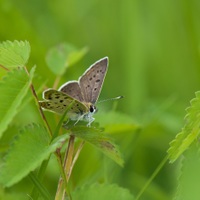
column 72, row 89
column 57, row 101
column 91, row 81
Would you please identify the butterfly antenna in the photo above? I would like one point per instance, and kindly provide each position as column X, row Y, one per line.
column 111, row 99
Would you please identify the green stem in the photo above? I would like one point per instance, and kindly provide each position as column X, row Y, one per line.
column 43, row 191
column 152, row 177
column 56, row 82
column 40, row 176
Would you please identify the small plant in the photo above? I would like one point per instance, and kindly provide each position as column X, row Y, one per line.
column 31, row 149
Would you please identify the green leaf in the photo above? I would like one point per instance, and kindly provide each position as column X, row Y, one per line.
column 100, row 140
column 189, row 132
column 102, row 191
column 189, row 177
column 61, row 57
column 27, row 152
column 14, row 54
column 13, row 89
column 115, row 122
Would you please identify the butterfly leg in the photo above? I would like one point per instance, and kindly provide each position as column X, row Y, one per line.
column 79, row 119
column 90, row 121
column 66, row 122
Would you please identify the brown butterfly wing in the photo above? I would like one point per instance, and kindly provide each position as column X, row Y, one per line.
column 72, row 89
column 91, row 81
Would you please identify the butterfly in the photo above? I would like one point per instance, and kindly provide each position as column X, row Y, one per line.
column 84, row 93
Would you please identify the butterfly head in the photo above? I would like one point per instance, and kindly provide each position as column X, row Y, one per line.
column 93, row 109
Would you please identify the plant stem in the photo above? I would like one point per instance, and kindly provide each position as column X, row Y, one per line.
column 69, row 155
column 62, row 178
column 39, row 107
column 67, row 165
column 152, row 177
column 56, row 82
column 4, row 68
column 43, row 190
column 40, row 175
column 75, row 158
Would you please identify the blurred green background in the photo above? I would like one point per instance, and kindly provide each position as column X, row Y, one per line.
column 153, row 50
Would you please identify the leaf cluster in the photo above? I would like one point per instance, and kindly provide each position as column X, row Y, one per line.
column 32, row 147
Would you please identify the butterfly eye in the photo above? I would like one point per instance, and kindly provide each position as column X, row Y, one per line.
column 92, row 109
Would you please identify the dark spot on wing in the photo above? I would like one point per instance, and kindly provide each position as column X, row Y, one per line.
column 80, row 111
column 61, row 101
column 50, row 98
column 65, row 97
column 98, row 80
column 94, row 76
column 90, row 78
column 57, row 97
column 95, row 89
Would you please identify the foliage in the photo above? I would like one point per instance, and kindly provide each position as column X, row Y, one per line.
column 35, row 143
column 13, row 89
column 100, row 140
column 189, row 173
column 189, row 133
column 14, row 54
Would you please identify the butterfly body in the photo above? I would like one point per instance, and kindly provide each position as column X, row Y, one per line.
column 84, row 93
